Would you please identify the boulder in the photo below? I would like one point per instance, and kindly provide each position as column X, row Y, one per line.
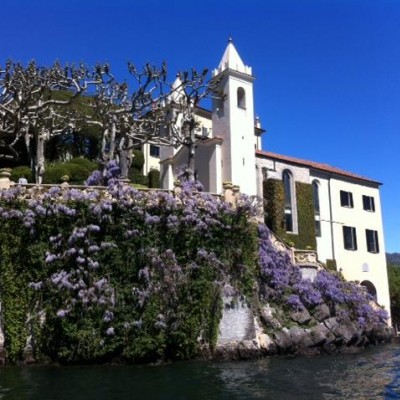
column 226, row 352
column 268, row 318
column 302, row 317
column 267, row 345
column 331, row 323
column 347, row 331
column 321, row 312
column 248, row 349
column 301, row 338
column 319, row 334
column 283, row 340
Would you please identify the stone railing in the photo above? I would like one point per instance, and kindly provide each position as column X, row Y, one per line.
column 280, row 245
column 307, row 260
column 305, row 257
column 230, row 192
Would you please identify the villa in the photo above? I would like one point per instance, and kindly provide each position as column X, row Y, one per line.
column 308, row 205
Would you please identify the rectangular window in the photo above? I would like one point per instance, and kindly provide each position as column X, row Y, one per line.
column 346, row 199
column 317, row 228
column 350, row 238
column 372, row 241
column 154, row 151
column 368, row 203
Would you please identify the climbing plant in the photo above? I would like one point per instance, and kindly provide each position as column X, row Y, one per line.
column 274, row 210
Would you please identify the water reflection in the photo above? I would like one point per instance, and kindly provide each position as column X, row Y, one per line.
column 373, row 374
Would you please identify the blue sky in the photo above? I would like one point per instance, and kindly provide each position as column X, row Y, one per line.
column 327, row 71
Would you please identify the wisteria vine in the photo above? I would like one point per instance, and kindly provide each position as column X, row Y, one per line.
column 121, row 272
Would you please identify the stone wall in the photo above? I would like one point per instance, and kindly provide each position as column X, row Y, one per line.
column 252, row 331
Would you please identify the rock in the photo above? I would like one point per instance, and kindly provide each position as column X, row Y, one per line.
column 302, row 317
column 264, row 342
column 347, row 331
column 319, row 334
column 300, row 338
column 267, row 345
column 248, row 349
column 331, row 323
column 283, row 340
column 296, row 335
column 381, row 334
column 226, row 352
column 362, row 341
column 268, row 319
column 28, row 356
column 3, row 356
column 321, row 312
column 329, row 348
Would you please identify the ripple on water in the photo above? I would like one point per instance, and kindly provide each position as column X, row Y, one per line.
column 371, row 374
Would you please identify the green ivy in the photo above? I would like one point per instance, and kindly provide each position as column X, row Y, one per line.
column 14, row 298
column 193, row 313
column 331, row 265
column 274, row 199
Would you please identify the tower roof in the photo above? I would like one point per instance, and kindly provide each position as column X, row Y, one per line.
column 232, row 60
column 177, row 90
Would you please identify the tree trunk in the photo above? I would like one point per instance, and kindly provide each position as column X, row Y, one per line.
column 192, row 152
column 112, row 139
column 39, row 165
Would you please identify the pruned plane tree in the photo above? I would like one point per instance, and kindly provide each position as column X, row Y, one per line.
column 39, row 103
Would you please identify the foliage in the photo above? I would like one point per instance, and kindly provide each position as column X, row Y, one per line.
column 31, row 109
column 154, row 178
column 121, row 273
column 393, row 258
column 283, row 284
column 138, row 178
column 394, row 290
column 139, row 275
column 184, row 176
column 137, row 161
column 305, row 208
column 331, row 265
column 21, row 171
column 65, row 110
column 78, row 170
column 135, row 171
column 102, row 178
column 84, row 162
column 275, row 198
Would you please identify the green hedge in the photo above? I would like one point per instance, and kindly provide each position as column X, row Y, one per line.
column 137, row 161
column 274, row 197
column 77, row 169
column 154, row 178
column 21, row 171
column 331, row 265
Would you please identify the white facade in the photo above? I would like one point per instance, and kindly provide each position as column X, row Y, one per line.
column 350, row 218
column 366, row 262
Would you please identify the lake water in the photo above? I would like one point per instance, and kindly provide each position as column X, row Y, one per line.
column 371, row 374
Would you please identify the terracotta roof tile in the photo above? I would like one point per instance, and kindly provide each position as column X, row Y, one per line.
column 315, row 165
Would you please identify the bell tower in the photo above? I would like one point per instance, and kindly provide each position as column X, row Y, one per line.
column 233, row 120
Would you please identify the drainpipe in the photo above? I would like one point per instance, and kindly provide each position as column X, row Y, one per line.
column 331, row 219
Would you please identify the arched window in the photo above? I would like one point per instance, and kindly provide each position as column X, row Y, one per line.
column 371, row 289
column 315, row 190
column 241, row 98
column 288, row 206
